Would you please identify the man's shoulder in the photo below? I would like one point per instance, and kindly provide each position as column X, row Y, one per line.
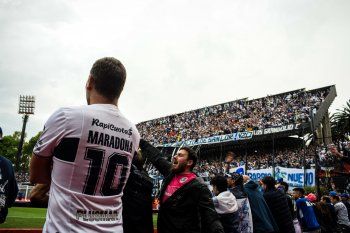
column 339, row 205
column 5, row 161
column 64, row 111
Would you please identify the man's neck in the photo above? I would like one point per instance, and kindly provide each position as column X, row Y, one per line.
column 185, row 172
column 98, row 99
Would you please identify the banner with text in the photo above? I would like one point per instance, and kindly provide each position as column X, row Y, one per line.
column 232, row 137
column 213, row 139
column 278, row 129
column 259, row 174
column 293, row 176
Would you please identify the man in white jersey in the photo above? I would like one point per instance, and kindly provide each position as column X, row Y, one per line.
column 85, row 154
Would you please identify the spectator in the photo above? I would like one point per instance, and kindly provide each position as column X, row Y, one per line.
column 235, row 184
column 289, row 198
column 185, row 203
column 325, row 216
column 277, row 202
column 305, row 212
column 225, row 205
column 343, row 224
column 137, row 199
column 8, row 187
column 345, row 200
column 263, row 220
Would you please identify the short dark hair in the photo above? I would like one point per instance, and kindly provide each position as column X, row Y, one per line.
column 109, row 77
column 301, row 190
column 285, row 186
column 220, row 182
column 326, row 199
column 337, row 198
column 191, row 155
column 270, row 182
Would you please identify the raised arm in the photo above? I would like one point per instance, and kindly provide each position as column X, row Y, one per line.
column 155, row 157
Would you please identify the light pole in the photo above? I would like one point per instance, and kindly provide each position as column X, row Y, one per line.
column 26, row 107
column 314, row 138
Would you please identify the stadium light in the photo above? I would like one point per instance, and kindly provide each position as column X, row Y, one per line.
column 26, row 106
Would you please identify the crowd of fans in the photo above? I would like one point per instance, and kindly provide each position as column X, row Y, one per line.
column 284, row 158
column 236, row 116
column 22, row 177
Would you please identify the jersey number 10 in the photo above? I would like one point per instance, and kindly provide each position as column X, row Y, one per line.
column 116, row 163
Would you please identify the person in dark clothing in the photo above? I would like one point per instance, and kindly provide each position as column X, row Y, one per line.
column 225, row 205
column 137, row 199
column 185, row 203
column 263, row 220
column 327, row 201
column 289, row 198
column 8, row 187
column 277, row 202
column 325, row 217
column 235, row 185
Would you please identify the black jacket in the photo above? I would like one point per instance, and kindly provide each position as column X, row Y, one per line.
column 263, row 220
column 277, row 202
column 8, row 187
column 230, row 222
column 190, row 209
column 137, row 202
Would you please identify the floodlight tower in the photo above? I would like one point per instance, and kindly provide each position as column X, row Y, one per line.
column 26, row 107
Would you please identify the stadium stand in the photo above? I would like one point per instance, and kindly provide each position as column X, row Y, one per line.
column 236, row 116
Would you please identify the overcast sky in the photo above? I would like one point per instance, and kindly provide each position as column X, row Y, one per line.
column 179, row 55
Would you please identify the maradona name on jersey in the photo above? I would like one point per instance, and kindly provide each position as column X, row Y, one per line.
column 104, row 139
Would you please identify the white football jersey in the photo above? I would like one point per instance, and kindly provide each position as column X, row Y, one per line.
column 92, row 148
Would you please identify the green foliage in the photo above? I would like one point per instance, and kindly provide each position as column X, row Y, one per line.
column 27, row 151
column 9, row 148
column 340, row 122
column 313, row 189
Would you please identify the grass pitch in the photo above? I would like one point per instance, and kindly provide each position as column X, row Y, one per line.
column 24, row 217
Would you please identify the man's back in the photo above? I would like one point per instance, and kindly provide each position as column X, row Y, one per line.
column 278, row 205
column 137, row 202
column 306, row 215
column 92, row 148
column 342, row 214
column 263, row 220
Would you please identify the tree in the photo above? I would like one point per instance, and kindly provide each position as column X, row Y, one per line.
column 28, row 150
column 8, row 146
column 340, row 122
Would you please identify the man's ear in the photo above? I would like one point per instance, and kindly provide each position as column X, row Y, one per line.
column 190, row 162
column 89, row 83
